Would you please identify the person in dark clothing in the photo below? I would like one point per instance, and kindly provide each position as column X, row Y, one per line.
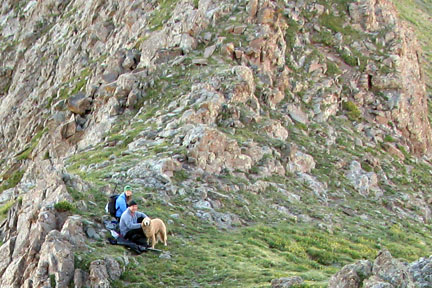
column 130, row 224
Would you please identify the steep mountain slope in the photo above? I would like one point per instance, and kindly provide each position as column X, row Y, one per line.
column 275, row 138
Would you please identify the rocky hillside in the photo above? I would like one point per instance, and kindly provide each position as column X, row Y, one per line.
column 281, row 142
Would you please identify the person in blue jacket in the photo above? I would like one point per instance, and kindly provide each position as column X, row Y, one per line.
column 122, row 200
column 130, row 224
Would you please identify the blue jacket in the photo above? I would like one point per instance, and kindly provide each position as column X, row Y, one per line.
column 121, row 205
column 129, row 222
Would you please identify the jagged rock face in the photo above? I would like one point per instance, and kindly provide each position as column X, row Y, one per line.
column 37, row 243
column 70, row 68
column 421, row 272
column 405, row 103
column 385, row 271
column 69, row 65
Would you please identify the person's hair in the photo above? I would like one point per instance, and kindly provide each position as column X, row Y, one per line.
column 131, row 203
column 128, row 198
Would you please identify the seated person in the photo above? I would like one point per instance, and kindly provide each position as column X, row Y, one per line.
column 121, row 201
column 130, row 227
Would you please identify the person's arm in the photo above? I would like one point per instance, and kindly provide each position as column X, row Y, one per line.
column 129, row 223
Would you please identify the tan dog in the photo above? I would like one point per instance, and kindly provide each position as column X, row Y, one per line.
column 154, row 229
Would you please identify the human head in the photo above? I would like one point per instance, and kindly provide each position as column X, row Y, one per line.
column 133, row 206
column 128, row 190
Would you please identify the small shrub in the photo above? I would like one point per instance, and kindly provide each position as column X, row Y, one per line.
column 353, row 112
column 64, row 206
column 349, row 59
column 181, row 175
column 365, row 166
column 332, row 69
column 52, row 280
column 254, row 169
column 389, row 138
column 291, row 32
column 12, row 181
column 321, row 256
column 5, row 208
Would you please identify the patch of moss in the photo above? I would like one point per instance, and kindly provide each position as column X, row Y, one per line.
column 162, row 14
column 332, row 69
column 5, row 209
column 64, row 206
column 181, row 175
column 291, row 33
column 33, row 143
column 353, row 112
column 12, row 180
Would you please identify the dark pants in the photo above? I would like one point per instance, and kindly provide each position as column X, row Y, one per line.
column 137, row 235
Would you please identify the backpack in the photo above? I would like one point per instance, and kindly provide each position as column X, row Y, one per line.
column 111, row 205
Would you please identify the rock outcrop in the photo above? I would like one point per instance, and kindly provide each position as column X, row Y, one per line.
column 385, row 271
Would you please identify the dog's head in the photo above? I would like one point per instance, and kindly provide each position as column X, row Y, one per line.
column 146, row 222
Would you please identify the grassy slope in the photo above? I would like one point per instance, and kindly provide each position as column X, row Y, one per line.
column 272, row 245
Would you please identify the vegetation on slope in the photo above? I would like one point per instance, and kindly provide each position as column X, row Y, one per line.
column 267, row 243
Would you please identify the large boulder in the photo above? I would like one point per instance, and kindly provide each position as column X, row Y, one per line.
column 286, row 282
column 392, row 270
column 352, row 275
column 212, row 151
column 79, row 103
column 421, row 271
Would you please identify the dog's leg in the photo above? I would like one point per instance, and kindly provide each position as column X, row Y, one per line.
column 153, row 241
column 164, row 237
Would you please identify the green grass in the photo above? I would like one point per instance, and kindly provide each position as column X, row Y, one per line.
column 64, row 206
column 5, row 209
column 353, row 111
column 12, row 180
column 33, row 143
column 252, row 256
column 162, row 14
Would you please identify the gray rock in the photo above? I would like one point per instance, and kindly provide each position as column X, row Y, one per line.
column 297, row 114
column 364, row 182
column 99, row 277
column 68, row 129
column 79, row 103
column 392, row 270
column 113, row 268
column 421, row 271
column 81, row 279
column 286, row 282
column 352, row 275
column 203, row 204
column 376, row 282
column 208, row 52
column 6, row 251
column 165, row 255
